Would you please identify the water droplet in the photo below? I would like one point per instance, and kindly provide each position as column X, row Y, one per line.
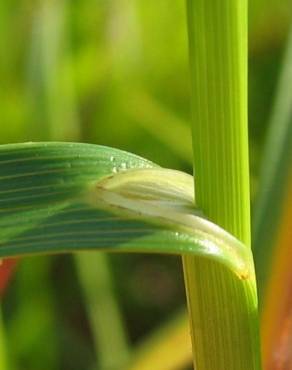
column 176, row 234
column 112, row 158
column 124, row 166
column 114, row 170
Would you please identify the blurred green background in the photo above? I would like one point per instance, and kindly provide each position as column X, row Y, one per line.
column 110, row 72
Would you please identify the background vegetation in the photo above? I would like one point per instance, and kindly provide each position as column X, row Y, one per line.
column 111, row 72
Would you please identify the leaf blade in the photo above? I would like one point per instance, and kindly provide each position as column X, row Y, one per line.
column 70, row 197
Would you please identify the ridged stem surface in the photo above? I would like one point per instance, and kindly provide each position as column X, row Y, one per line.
column 223, row 309
column 218, row 53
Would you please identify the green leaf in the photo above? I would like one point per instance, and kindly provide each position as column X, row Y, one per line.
column 65, row 197
column 58, row 197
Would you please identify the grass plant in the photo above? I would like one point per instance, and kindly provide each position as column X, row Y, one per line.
column 62, row 197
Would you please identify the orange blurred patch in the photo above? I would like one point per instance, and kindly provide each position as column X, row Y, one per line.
column 276, row 323
column 6, row 271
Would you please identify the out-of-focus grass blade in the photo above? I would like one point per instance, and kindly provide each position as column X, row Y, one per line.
column 34, row 319
column 173, row 131
column 50, row 76
column 169, row 348
column 104, row 315
column 273, row 227
column 3, row 364
column 275, row 173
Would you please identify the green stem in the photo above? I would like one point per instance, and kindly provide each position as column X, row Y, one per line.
column 223, row 311
column 218, row 52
